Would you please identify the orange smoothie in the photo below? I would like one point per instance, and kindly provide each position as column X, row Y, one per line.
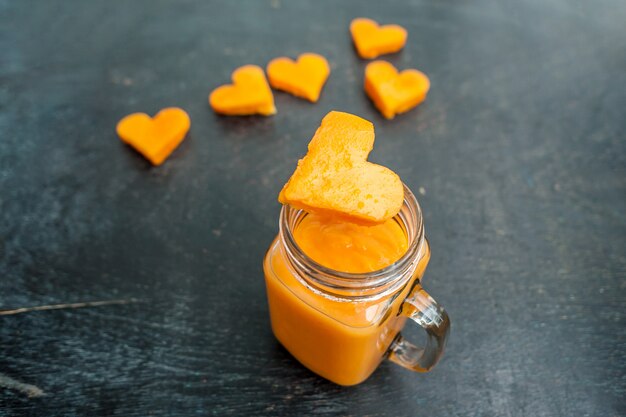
column 343, row 340
column 349, row 247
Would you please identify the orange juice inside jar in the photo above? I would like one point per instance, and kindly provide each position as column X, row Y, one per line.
column 350, row 247
column 340, row 291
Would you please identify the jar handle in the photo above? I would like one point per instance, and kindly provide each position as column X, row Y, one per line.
column 423, row 310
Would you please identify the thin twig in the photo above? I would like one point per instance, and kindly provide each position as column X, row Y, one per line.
column 28, row 389
column 66, row 306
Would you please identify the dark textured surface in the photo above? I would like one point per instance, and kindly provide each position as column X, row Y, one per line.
column 520, row 150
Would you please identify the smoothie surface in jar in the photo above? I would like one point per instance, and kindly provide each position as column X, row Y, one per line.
column 350, row 247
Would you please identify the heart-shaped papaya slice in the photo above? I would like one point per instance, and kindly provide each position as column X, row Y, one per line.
column 248, row 94
column 393, row 92
column 372, row 40
column 335, row 177
column 302, row 78
column 155, row 137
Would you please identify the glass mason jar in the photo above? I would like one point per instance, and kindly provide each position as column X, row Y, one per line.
column 342, row 325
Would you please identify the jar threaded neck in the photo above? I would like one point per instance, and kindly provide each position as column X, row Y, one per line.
column 346, row 285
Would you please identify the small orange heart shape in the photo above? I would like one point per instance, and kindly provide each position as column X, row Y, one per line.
column 248, row 94
column 393, row 92
column 372, row 40
column 303, row 78
column 335, row 177
column 155, row 137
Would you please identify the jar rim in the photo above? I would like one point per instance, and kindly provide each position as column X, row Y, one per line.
column 366, row 283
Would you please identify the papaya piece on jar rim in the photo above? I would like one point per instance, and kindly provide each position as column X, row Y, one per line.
column 335, row 178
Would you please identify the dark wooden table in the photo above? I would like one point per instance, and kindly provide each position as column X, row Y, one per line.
column 519, row 156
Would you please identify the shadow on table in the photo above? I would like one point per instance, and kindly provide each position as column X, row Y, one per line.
column 248, row 126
